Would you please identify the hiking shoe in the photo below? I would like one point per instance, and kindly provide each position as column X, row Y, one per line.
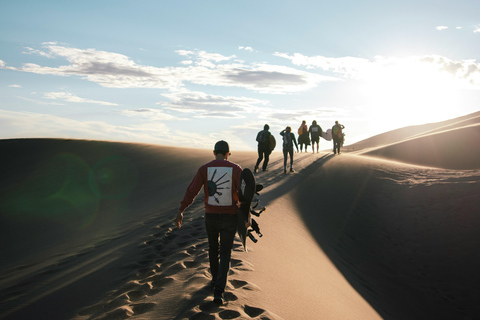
column 255, row 170
column 285, row 171
column 291, row 170
column 265, row 170
column 218, row 298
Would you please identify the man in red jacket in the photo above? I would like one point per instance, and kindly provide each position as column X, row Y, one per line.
column 220, row 181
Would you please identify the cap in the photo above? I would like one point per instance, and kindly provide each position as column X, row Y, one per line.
column 222, row 146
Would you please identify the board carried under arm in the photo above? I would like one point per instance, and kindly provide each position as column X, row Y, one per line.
column 248, row 188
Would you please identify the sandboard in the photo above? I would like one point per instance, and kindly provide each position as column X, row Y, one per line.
column 273, row 142
column 327, row 135
column 246, row 192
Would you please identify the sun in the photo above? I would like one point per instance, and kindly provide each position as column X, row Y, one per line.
column 404, row 92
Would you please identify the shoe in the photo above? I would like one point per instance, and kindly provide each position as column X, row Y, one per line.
column 265, row 170
column 291, row 170
column 255, row 170
column 218, row 298
column 284, row 171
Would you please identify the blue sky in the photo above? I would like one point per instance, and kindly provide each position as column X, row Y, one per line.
column 188, row 73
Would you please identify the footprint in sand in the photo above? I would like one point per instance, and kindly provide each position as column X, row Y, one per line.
column 229, row 314
column 253, row 312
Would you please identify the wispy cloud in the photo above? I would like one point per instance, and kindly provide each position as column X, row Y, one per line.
column 440, row 28
column 67, row 96
column 477, row 29
column 347, row 66
column 204, row 105
column 152, row 115
column 118, row 71
column 14, row 86
column 245, row 48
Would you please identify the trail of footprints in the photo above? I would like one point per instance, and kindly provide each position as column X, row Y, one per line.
column 177, row 257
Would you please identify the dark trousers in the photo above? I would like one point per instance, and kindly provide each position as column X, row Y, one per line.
column 262, row 150
column 336, row 145
column 221, row 230
column 287, row 152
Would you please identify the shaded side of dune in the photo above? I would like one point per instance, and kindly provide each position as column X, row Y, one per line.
column 59, row 192
column 405, row 237
column 71, row 212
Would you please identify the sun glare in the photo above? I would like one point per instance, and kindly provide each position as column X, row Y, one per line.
column 404, row 92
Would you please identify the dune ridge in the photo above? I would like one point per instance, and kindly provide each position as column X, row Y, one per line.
column 376, row 232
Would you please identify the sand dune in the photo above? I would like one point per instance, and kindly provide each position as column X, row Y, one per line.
column 385, row 230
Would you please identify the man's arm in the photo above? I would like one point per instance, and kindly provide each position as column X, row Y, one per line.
column 294, row 140
column 192, row 191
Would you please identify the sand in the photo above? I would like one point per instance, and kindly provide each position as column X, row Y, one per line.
column 387, row 229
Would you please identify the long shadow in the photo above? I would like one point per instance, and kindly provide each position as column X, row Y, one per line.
column 404, row 261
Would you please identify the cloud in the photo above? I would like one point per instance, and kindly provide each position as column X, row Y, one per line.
column 41, row 102
column 477, row 29
column 115, row 70
column 152, row 115
column 204, row 105
column 245, row 48
column 2, row 64
column 440, row 28
column 14, row 86
column 408, row 68
column 14, row 125
column 466, row 70
column 347, row 66
column 66, row 96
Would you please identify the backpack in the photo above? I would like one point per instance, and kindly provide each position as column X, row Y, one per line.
column 262, row 137
column 300, row 130
column 337, row 131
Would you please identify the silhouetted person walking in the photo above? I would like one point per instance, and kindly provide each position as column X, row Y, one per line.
column 263, row 139
column 288, row 141
column 337, row 136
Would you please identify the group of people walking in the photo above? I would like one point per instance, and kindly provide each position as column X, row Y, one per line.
column 221, row 217
column 306, row 136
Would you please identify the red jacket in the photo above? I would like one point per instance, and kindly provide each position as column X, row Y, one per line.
column 220, row 180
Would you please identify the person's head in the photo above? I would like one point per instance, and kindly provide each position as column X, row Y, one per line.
column 304, row 122
column 314, row 122
column 221, row 148
column 336, row 122
column 266, row 127
column 288, row 129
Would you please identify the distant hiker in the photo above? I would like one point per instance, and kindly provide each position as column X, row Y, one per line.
column 288, row 141
column 337, row 136
column 303, row 138
column 263, row 139
column 315, row 132
column 220, row 179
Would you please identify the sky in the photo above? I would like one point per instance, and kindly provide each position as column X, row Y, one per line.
column 190, row 73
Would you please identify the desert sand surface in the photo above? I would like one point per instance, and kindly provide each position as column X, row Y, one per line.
column 386, row 230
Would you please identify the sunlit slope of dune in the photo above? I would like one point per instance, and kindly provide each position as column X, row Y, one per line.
column 452, row 149
column 410, row 132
